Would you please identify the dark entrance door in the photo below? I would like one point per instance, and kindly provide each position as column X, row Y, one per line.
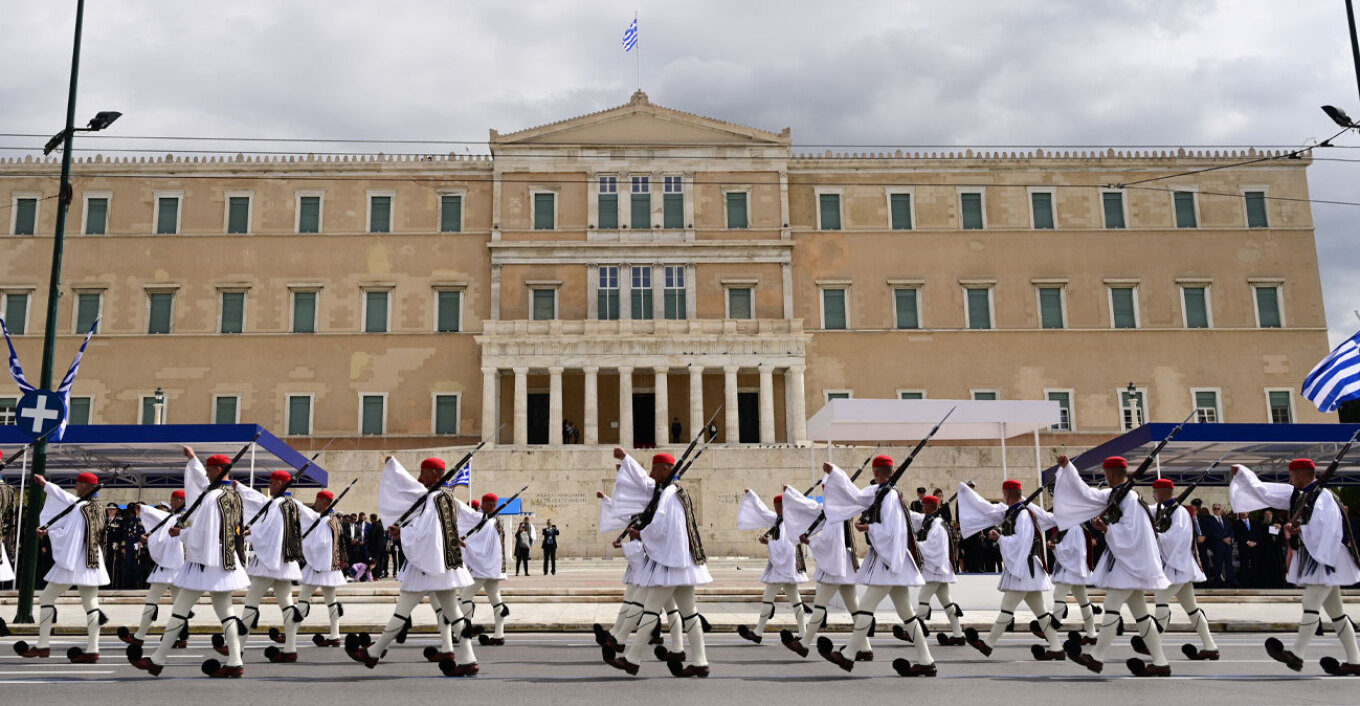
column 748, row 417
column 538, row 418
column 644, row 419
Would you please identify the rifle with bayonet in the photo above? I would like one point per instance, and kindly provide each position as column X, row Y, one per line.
column 487, row 516
column 875, row 508
column 1112, row 512
column 780, row 520
column 448, row 475
column 182, row 519
column 293, row 478
column 330, row 510
column 1306, row 507
column 644, row 518
column 821, row 517
column 1163, row 518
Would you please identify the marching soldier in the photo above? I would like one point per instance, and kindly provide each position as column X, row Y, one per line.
column 833, row 547
column 485, row 559
column 167, row 553
column 785, row 569
column 325, row 551
column 938, row 550
column 277, row 540
column 1071, row 575
column 630, row 610
column 1180, row 561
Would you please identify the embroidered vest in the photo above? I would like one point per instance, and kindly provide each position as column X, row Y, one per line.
column 848, row 533
column 337, row 545
column 292, row 530
column 448, row 524
column 232, row 511
column 95, row 531
column 696, row 545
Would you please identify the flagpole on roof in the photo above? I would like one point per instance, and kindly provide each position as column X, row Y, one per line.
column 639, row 52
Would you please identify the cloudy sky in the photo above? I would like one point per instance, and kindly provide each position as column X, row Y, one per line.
column 919, row 72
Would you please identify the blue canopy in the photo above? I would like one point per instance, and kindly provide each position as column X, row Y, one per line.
column 152, row 456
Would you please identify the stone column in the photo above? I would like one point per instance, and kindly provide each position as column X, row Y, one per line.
column 521, row 406
column 659, row 292
column 696, row 399
column 766, row 404
column 555, row 406
column 797, row 406
column 625, row 407
column 489, row 400
column 663, row 406
column 733, row 433
column 592, row 406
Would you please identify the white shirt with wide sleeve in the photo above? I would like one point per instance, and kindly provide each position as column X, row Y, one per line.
column 1322, row 535
column 937, row 565
column 422, row 538
column 484, row 553
column 203, row 568
column 266, row 536
column 834, row 560
column 1177, row 545
column 889, row 562
column 1069, row 558
column 318, row 549
column 1132, row 559
column 166, row 551
column 68, row 538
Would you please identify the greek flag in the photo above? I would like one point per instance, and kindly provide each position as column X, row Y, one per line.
column 463, row 477
column 64, row 389
column 630, row 37
column 1337, row 378
column 16, row 370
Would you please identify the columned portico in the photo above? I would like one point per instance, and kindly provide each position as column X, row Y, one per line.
column 663, row 406
column 766, row 404
column 521, row 406
column 730, row 409
column 555, row 406
column 696, row 399
column 592, row 405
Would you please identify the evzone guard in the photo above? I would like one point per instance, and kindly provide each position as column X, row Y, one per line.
column 276, row 536
column 1180, row 561
column 167, row 553
column 630, row 609
column 833, row 549
column 936, row 544
column 484, row 556
column 325, row 551
column 785, row 569
column 1071, row 575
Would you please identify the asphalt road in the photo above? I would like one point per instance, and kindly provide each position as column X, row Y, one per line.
column 565, row 669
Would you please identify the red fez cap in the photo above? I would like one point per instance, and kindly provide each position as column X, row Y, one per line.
column 664, row 458
column 325, row 495
column 931, row 499
column 1302, row 464
column 178, row 494
column 2, row 455
column 1165, row 483
column 490, row 500
column 284, row 476
column 217, row 460
column 1011, row 485
column 1116, row 462
column 476, row 505
column 90, row 478
column 883, row 461
column 779, row 499
column 433, row 464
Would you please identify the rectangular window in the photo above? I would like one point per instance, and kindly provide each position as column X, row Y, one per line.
column 544, row 304
column 971, row 206
column 641, row 293
column 1051, row 307
column 1123, row 307
column 449, row 310
column 545, row 210
column 304, row 312
column 1113, row 201
column 641, row 204
column 300, row 415
column 25, row 216
column 739, row 303
column 79, row 411
column 1196, row 302
column 1185, row 209
column 672, row 203
column 1268, row 307
column 226, row 409
column 1133, row 408
column 899, row 211
column 607, row 294
column 446, row 415
column 1256, row 209
column 7, row 405
column 1281, row 406
column 979, row 307
column 829, row 211
column 96, row 216
column 1042, row 204
column 309, row 214
column 833, row 309
column 167, row 215
column 907, row 306
column 450, row 213
column 984, row 395
column 375, row 311
column 162, row 310
column 1206, row 406
column 16, row 312
column 737, row 214
column 1064, row 400
column 373, row 415
column 233, row 312
column 674, row 293
column 380, row 214
column 88, row 307
column 609, row 203
column 910, row 395
column 149, row 411
column 238, row 214
column 838, row 395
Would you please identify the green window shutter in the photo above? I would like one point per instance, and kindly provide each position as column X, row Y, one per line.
column 225, row 412
column 673, row 211
column 1114, row 209
column 162, row 306
column 907, row 308
column 96, row 216
column 233, row 312
column 1050, row 307
column 545, row 304
column 739, row 303
column 737, row 216
column 607, row 304
column 900, row 207
column 450, row 213
column 979, row 308
column 830, row 207
column 372, row 416
column 450, row 305
column 641, row 303
column 380, row 214
column 910, row 396
column 675, row 304
column 304, row 312
column 1064, row 401
column 167, row 216
column 987, row 396
column 1268, row 306
column 1256, row 210
column 1122, row 305
column 544, row 207
column 971, row 205
column 16, row 313
column 25, row 216
column 641, row 216
column 833, row 309
column 148, row 410
column 446, row 415
column 1042, row 204
column 1196, row 307
column 1206, row 406
column 87, row 310
column 238, row 214
column 300, row 415
column 609, row 211
column 309, row 214
column 1185, row 209
column 375, row 314
column 78, row 412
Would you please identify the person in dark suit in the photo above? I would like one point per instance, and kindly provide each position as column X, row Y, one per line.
column 916, row 504
column 1271, row 554
column 946, row 513
column 1218, row 536
column 357, row 532
column 377, row 547
column 1246, row 535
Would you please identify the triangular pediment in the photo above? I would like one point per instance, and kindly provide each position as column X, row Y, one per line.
column 639, row 122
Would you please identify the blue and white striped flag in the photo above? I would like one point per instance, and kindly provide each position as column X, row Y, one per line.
column 16, row 370
column 64, row 389
column 1337, row 378
column 630, row 37
column 463, row 477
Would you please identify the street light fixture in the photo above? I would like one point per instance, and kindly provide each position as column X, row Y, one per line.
column 159, row 401
column 1339, row 116
column 101, row 120
column 1135, row 406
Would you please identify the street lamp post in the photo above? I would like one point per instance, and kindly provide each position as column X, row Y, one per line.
column 28, row 552
column 1135, row 406
column 160, row 405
